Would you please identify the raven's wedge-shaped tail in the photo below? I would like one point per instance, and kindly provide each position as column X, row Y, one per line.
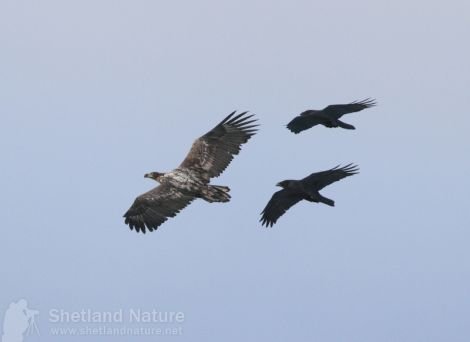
column 344, row 125
column 326, row 200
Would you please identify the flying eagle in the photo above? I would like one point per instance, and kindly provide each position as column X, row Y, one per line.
column 209, row 157
column 308, row 188
column 328, row 116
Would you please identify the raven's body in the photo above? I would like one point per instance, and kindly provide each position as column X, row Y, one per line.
column 308, row 188
column 328, row 116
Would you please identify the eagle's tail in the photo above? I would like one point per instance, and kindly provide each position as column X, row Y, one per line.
column 216, row 193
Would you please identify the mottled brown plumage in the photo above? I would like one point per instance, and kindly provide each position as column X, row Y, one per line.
column 208, row 157
column 214, row 151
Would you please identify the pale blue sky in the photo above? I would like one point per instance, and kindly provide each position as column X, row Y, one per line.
column 94, row 94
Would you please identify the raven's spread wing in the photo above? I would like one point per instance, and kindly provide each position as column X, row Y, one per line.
column 311, row 118
column 307, row 120
column 279, row 203
column 338, row 110
column 319, row 180
column 154, row 207
column 214, row 151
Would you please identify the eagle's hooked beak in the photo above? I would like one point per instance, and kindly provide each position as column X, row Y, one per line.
column 154, row 175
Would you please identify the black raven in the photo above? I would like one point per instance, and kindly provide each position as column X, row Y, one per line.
column 308, row 189
column 328, row 116
column 208, row 157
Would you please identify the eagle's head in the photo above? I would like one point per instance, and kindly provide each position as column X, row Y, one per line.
column 284, row 184
column 154, row 175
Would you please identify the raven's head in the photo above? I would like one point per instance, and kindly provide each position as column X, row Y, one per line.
column 284, row 184
column 154, row 175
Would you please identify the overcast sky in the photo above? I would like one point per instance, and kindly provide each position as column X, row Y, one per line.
column 94, row 94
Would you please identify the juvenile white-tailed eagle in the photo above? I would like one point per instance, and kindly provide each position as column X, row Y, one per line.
column 209, row 156
column 293, row 191
column 328, row 116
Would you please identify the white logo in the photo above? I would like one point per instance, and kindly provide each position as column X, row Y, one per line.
column 19, row 321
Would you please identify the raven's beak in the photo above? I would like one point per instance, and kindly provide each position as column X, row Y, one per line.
column 147, row 175
column 278, row 184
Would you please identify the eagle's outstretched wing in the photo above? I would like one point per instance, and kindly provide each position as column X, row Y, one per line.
column 154, row 207
column 279, row 203
column 319, row 180
column 338, row 110
column 214, row 151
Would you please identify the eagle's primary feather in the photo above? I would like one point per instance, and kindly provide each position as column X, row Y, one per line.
column 154, row 207
column 208, row 157
column 214, row 151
